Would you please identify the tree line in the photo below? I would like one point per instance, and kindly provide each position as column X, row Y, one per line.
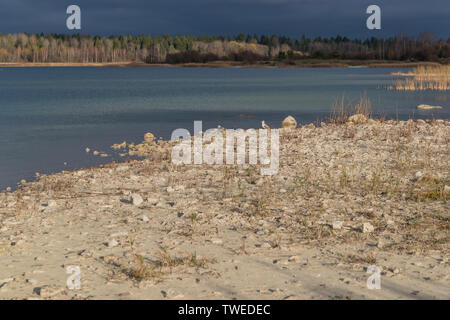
column 181, row 49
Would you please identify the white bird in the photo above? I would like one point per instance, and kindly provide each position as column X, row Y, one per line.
column 264, row 125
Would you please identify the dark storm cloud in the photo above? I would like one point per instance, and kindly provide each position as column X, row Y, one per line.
column 290, row 17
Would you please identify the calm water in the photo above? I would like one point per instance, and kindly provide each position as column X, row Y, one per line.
column 48, row 116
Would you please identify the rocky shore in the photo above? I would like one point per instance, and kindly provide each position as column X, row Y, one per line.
column 346, row 197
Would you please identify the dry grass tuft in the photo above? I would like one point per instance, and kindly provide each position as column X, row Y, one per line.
column 436, row 78
column 368, row 259
column 342, row 110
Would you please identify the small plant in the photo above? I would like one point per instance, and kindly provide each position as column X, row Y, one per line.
column 141, row 271
column 170, row 261
column 368, row 259
column 344, row 179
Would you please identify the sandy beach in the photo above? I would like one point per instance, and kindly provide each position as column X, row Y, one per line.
column 346, row 197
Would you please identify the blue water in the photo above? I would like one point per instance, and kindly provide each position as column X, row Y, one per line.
column 48, row 116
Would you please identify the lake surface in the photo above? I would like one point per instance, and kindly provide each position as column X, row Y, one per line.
column 48, row 116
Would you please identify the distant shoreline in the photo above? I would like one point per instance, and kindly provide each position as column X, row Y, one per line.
column 228, row 64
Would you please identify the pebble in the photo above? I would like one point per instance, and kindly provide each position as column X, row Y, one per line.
column 152, row 201
column 216, row 241
column 337, row 225
column 112, row 243
column 136, row 199
column 281, row 261
column 47, row 291
column 367, row 227
column 263, row 245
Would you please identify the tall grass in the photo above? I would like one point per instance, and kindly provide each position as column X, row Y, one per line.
column 436, row 78
column 342, row 110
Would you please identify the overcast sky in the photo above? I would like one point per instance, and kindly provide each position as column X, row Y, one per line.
column 228, row 17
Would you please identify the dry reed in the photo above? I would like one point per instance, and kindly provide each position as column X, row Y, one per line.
column 436, row 78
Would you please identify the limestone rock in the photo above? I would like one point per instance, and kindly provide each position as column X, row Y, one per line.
column 149, row 137
column 357, row 119
column 367, row 228
column 136, row 199
column 337, row 225
column 112, row 243
column 289, row 122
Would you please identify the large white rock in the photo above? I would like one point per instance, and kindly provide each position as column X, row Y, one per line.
column 149, row 137
column 289, row 122
column 358, row 118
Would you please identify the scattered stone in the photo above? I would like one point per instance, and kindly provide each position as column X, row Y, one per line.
column 7, row 280
column 367, row 227
column 281, row 261
column 171, row 294
column 216, row 241
column 119, row 146
column 346, row 280
column 112, row 243
column 32, row 281
column 337, row 225
column 395, row 270
column 263, row 245
column 119, row 234
column 149, row 137
column 136, row 199
column 421, row 122
column 152, row 201
column 48, row 291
